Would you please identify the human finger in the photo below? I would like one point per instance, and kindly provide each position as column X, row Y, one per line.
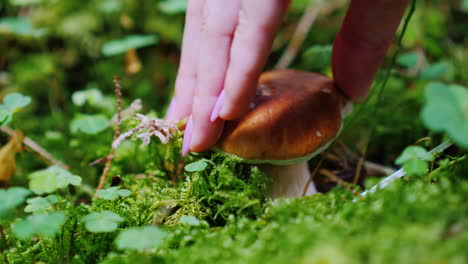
column 362, row 42
column 220, row 20
column 181, row 104
column 258, row 24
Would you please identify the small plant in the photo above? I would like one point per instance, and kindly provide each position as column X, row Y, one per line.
column 113, row 193
column 52, row 179
column 446, row 110
column 12, row 103
column 41, row 204
column 414, row 160
column 141, row 238
column 47, row 225
column 102, row 222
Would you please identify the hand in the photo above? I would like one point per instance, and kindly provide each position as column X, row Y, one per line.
column 225, row 46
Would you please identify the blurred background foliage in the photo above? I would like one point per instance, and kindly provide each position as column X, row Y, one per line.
column 64, row 55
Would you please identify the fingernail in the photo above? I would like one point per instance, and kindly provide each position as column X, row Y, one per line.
column 217, row 107
column 187, row 138
column 171, row 110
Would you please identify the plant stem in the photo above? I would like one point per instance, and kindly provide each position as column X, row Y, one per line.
column 5, row 258
column 34, row 148
column 2, row 233
column 110, row 157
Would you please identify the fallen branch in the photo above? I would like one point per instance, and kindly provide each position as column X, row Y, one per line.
column 377, row 169
column 339, row 181
column 34, row 148
column 110, row 157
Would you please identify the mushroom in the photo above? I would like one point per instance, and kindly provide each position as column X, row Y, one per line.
column 295, row 116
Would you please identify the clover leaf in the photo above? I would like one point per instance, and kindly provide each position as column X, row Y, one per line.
column 141, row 238
column 173, row 6
column 103, row 222
column 41, row 204
column 113, row 193
column 5, row 115
column 408, row 60
column 16, row 101
column 119, row 46
column 46, row 225
column 12, row 103
column 414, row 160
column 11, row 198
column 446, row 110
column 52, row 179
column 196, row 166
column 20, row 26
column 190, row 220
column 89, row 124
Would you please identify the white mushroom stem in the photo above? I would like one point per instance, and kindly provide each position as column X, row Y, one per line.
column 289, row 180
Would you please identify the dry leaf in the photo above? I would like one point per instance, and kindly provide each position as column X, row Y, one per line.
column 132, row 62
column 7, row 156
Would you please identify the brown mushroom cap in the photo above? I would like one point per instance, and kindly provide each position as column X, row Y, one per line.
column 295, row 115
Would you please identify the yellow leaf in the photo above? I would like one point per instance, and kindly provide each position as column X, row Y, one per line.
column 7, row 156
column 132, row 62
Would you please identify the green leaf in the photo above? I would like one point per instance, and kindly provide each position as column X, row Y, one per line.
column 5, row 115
column 41, row 204
column 12, row 103
column 416, row 167
column 16, row 101
column 414, row 160
column 124, row 192
column 92, row 96
column 446, row 110
column 317, row 57
column 25, row 2
column 47, row 225
column 11, row 198
column 435, row 71
column 89, row 124
column 103, row 222
column 408, row 60
column 120, row 46
column 52, row 179
column 413, row 152
column 141, row 238
column 173, row 6
column 196, row 166
column 190, row 220
column 19, row 26
column 113, row 193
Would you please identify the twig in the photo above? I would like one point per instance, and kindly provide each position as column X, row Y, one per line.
column 374, row 168
column 35, row 148
column 110, row 157
column 339, row 181
column 370, row 167
column 312, row 175
column 299, row 35
column 357, row 174
column 315, row 8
